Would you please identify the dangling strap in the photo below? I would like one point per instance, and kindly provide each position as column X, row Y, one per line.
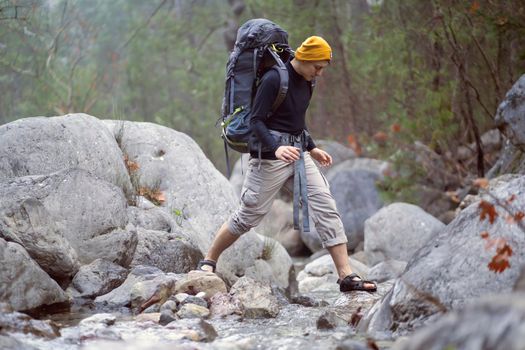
column 300, row 190
column 227, row 159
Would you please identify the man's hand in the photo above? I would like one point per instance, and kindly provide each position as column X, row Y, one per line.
column 321, row 156
column 289, row 154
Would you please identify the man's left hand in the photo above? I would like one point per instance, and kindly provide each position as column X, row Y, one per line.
column 321, row 156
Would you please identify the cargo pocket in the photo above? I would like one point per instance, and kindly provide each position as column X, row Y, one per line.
column 251, row 192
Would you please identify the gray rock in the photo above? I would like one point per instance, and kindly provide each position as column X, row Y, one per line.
column 200, row 281
column 190, row 310
column 397, row 231
column 194, row 300
column 520, row 282
column 238, row 173
column 169, row 305
column 32, row 287
column 203, row 331
column 350, row 344
column 98, row 278
column 105, row 319
column 339, row 152
column 386, row 270
column 10, row 343
column 452, row 268
column 31, row 225
column 495, row 323
column 224, row 304
column 17, row 322
column 278, row 224
column 510, row 115
column 42, row 145
column 154, row 218
column 121, row 296
column 170, row 252
column 356, row 197
column 321, row 274
column 167, row 316
column 162, row 286
column 257, row 299
column 329, row 320
column 87, row 212
column 172, row 162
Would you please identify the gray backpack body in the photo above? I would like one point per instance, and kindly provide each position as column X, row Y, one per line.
column 260, row 45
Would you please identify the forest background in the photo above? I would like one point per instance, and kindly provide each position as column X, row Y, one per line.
column 406, row 75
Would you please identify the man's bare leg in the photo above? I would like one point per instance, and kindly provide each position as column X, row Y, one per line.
column 223, row 239
column 340, row 257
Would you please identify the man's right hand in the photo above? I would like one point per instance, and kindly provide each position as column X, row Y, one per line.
column 289, row 154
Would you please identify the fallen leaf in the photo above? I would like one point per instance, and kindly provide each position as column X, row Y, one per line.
column 484, row 235
column 519, row 216
column 395, row 127
column 380, row 137
column 487, row 209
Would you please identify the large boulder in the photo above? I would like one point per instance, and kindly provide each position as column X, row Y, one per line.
column 24, row 285
column 397, row 231
column 43, row 145
column 172, row 163
column 170, row 252
column 353, row 186
column 494, row 323
column 510, row 115
column 278, row 224
column 98, row 278
column 81, row 211
column 453, row 268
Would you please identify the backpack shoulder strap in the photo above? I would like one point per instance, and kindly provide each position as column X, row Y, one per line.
column 281, row 69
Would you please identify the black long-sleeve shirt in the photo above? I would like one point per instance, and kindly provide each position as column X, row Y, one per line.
column 289, row 116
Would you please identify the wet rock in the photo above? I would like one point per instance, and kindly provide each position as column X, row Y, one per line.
column 170, row 252
column 352, row 306
column 350, row 344
column 354, row 190
column 10, row 343
column 190, row 299
column 179, row 297
column 121, row 296
column 329, row 320
column 169, row 305
column 510, row 114
column 190, row 310
column 386, row 270
column 167, row 316
column 307, row 301
column 494, row 323
column 321, row 274
column 104, row 319
column 257, row 299
column 201, row 281
column 224, row 304
column 452, row 269
column 194, row 329
column 32, row 287
column 397, row 231
column 156, row 290
column 98, row 278
column 17, row 322
column 148, row 317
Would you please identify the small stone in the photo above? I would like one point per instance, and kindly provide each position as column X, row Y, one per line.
column 194, row 300
column 329, row 320
column 193, row 311
column 201, row 295
column 169, row 305
column 153, row 317
column 166, row 317
column 179, row 297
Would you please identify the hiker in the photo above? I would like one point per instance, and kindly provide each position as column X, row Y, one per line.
column 281, row 153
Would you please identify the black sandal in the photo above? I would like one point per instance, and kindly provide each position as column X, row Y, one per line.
column 348, row 284
column 206, row 262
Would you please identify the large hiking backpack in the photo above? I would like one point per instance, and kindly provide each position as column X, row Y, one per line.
column 260, row 45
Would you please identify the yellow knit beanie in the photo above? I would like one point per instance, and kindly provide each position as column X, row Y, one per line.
column 314, row 48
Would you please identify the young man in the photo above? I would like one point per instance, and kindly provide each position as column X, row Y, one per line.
column 285, row 152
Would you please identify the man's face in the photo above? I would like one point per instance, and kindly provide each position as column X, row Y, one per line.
column 314, row 69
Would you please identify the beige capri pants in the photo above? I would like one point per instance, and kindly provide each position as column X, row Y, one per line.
column 262, row 184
